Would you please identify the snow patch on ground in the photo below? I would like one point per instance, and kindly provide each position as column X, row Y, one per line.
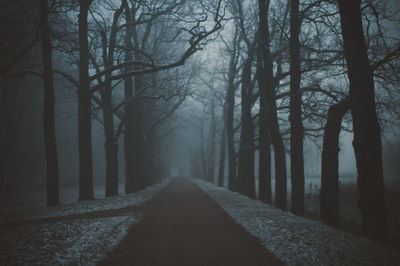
column 82, row 241
column 77, row 241
column 80, row 207
column 297, row 240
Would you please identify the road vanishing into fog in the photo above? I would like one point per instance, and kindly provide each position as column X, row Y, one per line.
column 181, row 225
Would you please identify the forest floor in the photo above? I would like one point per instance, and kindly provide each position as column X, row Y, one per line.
column 160, row 226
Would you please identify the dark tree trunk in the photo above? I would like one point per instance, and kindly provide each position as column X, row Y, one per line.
column 329, row 197
column 270, row 120
column 129, row 134
column 111, row 148
column 222, row 151
column 264, row 176
column 195, row 164
column 296, row 124
column 49, row 111
column 211, row 154
column 111, row 145
column 130, row 181
column 203, row 153
column 85, row 123
column 230, row 110
column 139, row 146
column 246, row 183
column 232, row 168
column 367, row 134
column 264, row 78
column 280, row 165
column 150, row 159
column 111, row 168
column 8, row 136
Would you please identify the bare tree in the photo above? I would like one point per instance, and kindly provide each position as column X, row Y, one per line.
column 49, row 110
column 84, row 112
column 246, row 178
column 367, row 134
column 268, row 84
column 296, row 125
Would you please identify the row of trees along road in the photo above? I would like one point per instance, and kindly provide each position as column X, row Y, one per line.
column 123, row 55
column 289, row 69
column 293, row 69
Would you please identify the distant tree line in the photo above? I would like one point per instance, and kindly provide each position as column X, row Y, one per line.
column 124, row 57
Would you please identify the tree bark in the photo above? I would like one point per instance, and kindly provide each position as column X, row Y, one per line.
column 222, row 151
column 110, row 145
column 280, row 165
column 367, row 135
column 139, row 145
column 149, row 160
column 329, row 197
column 296, row 124
column 85, row 123
column 211, row 154
column 230, row 110
column 203, row 152
column 246, row 183
column 264, row 79
column 270, row 116
column 52, row 172
column 9, row 95
column 129, row 134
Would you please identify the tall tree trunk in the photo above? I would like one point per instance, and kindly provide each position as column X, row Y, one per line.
column 85, row 123
column 268, row 99
column 211, row 154
column 264, row 79
column 8, row 136
column 49, row 111
column 230, row 110
column 367, row 135
column 222, row 151
column 296, row 124
column 111, row 145
column 280, row 165
column 329, row 197
column 246, row 183
column 150, row 159
column 203, row 153
column 264, row 172
column 230, row 134
column 139, row 145
column 129, row 134
column 111, row 148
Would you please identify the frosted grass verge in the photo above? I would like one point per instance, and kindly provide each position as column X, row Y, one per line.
column 81, row 241
column 297, row 240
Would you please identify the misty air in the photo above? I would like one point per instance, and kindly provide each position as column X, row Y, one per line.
column 199, row 132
